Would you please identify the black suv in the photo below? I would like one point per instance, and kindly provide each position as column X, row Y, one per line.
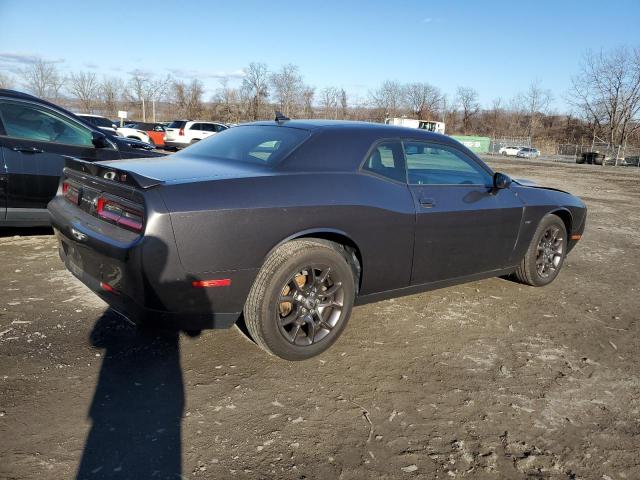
column 35, row 135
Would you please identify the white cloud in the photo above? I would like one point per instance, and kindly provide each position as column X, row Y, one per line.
column 200, row 75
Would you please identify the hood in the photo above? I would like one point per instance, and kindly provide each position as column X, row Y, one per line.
column 530, row 183
column 187, row 168
column 525, row 182
column 131, row 143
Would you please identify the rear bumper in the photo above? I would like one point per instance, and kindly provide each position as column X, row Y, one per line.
column 141, row 277
column 175, row 144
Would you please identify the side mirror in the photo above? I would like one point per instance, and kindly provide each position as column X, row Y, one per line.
column 99, row 140
column 500, row 181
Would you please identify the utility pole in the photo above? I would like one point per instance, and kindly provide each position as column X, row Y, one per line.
column 144, row 114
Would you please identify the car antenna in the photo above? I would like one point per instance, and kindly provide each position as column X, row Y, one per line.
column 280, row 117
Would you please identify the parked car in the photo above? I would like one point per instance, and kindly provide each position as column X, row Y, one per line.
column 509, row 150
column 528, row 152
column 35, row 136
column 293, row 222
column 156, row 131
column 112, row 127
column 182, row 133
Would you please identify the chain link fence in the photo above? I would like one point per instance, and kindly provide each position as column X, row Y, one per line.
column 607, row 154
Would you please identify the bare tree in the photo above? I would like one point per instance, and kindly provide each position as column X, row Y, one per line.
column 188, row 98
column 111, row 92
column 534, row 104
column 6, row 81
column 387, row 99
column 344, row 106
column 496, row 114
column 43, row 79
column 422, row 99
column 137, row 88
column 329, row 97
column 467, row 100
column 255, row 87
column 308, row 93
column 228, row 99
column 607, row 92
column 84, row 87
column 287, row 86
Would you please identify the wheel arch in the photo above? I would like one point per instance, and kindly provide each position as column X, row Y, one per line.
column 353, row 253
column 565, row 216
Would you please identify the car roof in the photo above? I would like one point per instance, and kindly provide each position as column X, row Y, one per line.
column 379, row 129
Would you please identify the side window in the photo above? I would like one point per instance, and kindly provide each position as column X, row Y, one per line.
column 32, row 123
column 196, row 126
column 433, row 164
column 219, row 128
column 386, row 159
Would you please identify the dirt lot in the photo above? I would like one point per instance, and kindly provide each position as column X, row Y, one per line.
column 486, row 380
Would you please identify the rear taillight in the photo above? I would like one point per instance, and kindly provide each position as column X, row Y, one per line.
column 120, row 213
column 70, row 192
column 181, row 132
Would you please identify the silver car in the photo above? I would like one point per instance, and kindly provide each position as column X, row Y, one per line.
column 528, row 152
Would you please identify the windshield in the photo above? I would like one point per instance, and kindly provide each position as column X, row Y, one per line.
column 259, row 144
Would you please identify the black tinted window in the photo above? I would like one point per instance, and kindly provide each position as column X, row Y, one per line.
column 208, row 127
column 253, row 144
column 386, row 160
column 433, row 164
column 195, row 126
column 177, row 124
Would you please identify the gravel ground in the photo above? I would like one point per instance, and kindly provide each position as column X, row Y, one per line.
column 491, row 379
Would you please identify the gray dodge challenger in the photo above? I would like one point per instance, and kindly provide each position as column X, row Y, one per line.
column 289, row 223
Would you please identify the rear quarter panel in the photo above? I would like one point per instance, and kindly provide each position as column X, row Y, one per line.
column 233, row 224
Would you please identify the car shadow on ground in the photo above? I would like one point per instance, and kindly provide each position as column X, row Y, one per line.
column 138, row 404
column 136, row 411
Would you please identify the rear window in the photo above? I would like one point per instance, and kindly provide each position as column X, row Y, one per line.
column 177, row 124
column 259, row 144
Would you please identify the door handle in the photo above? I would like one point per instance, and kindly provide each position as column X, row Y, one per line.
column 427, row 202
column 27, row 149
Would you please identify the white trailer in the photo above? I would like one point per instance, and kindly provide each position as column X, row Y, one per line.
column 430, row 125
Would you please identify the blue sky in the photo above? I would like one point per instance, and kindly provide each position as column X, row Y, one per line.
column 496, row 47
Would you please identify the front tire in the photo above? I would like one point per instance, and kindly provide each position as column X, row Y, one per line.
column 301, row 299
column 545, row 255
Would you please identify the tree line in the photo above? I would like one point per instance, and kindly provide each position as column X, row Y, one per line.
column 604, row 97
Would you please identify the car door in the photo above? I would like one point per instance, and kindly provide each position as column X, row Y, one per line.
column 3, row 181
column 34, row 142
column 208, row 129
column 196, row 132
column 463, row 225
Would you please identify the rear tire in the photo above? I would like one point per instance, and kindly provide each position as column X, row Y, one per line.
column 545, row 256
column 301, row 299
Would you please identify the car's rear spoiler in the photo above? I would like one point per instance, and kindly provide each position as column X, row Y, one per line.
column 110, row 173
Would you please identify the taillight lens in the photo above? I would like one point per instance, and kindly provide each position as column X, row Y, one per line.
column 70, row 192
column 126, row 216
column 181, row 132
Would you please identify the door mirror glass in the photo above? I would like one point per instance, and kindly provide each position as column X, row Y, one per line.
column 500, row 180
